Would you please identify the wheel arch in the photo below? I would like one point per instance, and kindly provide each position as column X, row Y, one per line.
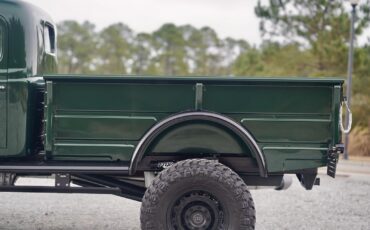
column 167, row 123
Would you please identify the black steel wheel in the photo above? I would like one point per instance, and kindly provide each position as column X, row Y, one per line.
column 196, row 210
column 197, row 194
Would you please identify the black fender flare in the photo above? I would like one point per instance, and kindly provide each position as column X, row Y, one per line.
column 222, row 120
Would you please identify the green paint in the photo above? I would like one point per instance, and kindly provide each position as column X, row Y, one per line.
column 101, row 127
column 291, row 120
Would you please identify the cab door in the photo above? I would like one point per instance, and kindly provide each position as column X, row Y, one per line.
column 3, row 82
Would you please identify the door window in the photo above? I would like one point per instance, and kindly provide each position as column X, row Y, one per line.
column 49, row 38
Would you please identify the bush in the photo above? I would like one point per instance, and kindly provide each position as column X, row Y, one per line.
column 359, row 143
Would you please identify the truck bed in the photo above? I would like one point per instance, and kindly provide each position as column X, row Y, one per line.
column 102, row 118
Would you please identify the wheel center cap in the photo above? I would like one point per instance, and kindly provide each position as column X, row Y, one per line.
column 198, row 219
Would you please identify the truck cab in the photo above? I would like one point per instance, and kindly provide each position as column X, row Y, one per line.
column 27, row 52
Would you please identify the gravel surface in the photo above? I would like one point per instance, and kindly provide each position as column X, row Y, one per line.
column 341, row 203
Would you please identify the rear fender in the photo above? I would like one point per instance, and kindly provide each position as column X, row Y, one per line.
column 216, row 120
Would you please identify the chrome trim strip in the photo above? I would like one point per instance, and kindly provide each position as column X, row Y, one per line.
column 205, row 114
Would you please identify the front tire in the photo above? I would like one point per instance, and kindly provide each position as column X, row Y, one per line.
column 197, row 194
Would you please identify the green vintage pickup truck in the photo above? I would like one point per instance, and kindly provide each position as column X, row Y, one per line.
column 187, row 147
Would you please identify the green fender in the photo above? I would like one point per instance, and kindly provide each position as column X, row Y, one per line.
column 166, row 136
column 195, row 137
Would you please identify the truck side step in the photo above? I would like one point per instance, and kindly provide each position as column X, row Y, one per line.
column 63, row 167
column 83, row 190
column 91, row 184
column 47, row 189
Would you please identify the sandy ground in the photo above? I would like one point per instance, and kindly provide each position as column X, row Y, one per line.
column 341, row 203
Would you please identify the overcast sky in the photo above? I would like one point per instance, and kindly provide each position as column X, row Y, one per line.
column 233, row 18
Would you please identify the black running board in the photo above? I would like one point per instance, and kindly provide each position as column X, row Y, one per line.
column 90, row 184
column 83, row 190
column 72, row 168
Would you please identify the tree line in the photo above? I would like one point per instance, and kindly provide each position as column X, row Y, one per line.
column 299, row 38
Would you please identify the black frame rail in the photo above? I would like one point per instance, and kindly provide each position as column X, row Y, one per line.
column 85, row 183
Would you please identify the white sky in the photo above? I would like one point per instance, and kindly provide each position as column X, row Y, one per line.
column 233, row 18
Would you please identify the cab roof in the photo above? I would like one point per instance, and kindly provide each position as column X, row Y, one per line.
column 25, row 25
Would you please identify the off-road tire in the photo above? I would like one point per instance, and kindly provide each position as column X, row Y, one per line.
column 7, row 179
column 197, row 177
